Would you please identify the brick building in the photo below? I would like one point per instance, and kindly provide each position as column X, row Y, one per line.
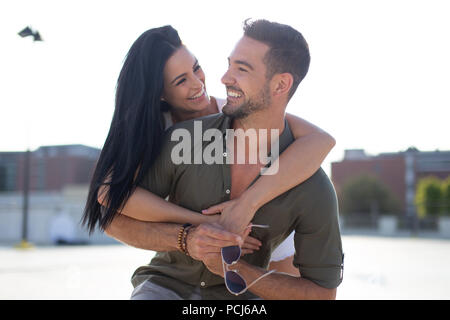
column 399, row 171
column 51, row 167
column 59, row 179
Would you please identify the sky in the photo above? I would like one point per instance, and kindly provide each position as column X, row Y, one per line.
column 379, row 78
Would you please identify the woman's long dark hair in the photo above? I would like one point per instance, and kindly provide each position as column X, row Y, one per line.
column 135, row 135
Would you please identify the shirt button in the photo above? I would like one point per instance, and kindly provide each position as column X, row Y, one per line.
column 227, row 191
column 224, row 154
column 202, row 283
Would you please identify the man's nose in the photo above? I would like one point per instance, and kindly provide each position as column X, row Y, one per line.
column 227, row 78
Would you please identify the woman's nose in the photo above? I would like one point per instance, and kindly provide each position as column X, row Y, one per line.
column 198, row 83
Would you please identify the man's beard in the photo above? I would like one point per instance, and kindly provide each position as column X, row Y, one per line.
column 252, row 105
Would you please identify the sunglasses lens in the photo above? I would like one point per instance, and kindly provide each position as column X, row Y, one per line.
column 231, row 254
column 235, row 283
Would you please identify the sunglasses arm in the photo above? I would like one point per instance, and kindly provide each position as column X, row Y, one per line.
column 256, row 280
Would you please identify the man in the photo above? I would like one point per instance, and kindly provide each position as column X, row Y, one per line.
column 264, row 71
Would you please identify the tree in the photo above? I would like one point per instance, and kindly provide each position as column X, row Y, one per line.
column 446, row 196
column 366, row 193
column 429, row 197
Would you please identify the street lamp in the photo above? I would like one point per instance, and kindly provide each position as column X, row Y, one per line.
column 29, row 32
column 26, row 185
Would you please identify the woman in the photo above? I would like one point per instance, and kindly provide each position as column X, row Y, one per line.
column 162, row 83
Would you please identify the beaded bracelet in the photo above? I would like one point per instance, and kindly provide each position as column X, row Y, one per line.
column 182, row 237
column 184, row 244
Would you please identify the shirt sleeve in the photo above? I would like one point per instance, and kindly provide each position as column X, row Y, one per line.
column 159, row 177
column 318, row 246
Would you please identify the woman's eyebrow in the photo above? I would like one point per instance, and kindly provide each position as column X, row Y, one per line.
column 183, row 74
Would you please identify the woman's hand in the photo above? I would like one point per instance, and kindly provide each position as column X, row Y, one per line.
column 235, row 214
column 210, row 218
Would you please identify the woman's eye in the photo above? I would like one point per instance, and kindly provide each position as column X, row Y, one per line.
column 180, row 82
column 197, row 68
column 242, row 69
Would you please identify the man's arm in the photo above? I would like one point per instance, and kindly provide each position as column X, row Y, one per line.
column 156, row 236
column 281, row 286
column 159, row 236
column 276, row 286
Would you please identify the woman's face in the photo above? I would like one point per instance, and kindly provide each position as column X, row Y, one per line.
column 184, row 82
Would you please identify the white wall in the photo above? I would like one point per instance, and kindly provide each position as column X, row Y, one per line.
column 50, row 215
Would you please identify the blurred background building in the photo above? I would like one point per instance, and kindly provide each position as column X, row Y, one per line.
column 395, row 176
column 370, row 188
column 397, row 170
column 59, row 181
column 52, row 168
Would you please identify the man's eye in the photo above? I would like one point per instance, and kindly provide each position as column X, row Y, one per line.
column 242, row 69
column 197, row 68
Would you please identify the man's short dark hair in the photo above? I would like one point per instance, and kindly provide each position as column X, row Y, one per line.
column 289, row 51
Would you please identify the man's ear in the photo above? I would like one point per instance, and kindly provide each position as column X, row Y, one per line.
column 282, row 83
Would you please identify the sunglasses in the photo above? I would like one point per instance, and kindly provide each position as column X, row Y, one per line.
column 234, row 282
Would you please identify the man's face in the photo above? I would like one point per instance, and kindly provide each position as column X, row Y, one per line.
column 245, row 80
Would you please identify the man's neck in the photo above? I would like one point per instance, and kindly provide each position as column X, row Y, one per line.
column 263, row 119
column 266, row 126
column 243, row 173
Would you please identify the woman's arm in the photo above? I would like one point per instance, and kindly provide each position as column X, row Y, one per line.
column 296, row 164
column 146, row 206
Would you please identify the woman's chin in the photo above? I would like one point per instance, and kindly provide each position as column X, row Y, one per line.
column 199, row 104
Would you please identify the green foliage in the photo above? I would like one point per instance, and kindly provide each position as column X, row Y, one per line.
column 366, row 193
column 446, row 196
column 429, row 197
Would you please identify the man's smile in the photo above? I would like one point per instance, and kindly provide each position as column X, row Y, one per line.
column 233, row 94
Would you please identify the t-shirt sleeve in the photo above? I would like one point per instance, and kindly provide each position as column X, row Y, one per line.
column 318, row 246
column 159, row 177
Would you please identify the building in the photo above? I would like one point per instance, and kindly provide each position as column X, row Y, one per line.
column 51, row 167
column 59, row 182
column 399, row 171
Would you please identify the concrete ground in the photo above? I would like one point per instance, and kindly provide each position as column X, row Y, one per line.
column 375, row 268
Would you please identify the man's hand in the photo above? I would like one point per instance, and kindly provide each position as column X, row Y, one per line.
column 205, row 242
column 250, row 244
column 209, row 238
column 213, row 261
